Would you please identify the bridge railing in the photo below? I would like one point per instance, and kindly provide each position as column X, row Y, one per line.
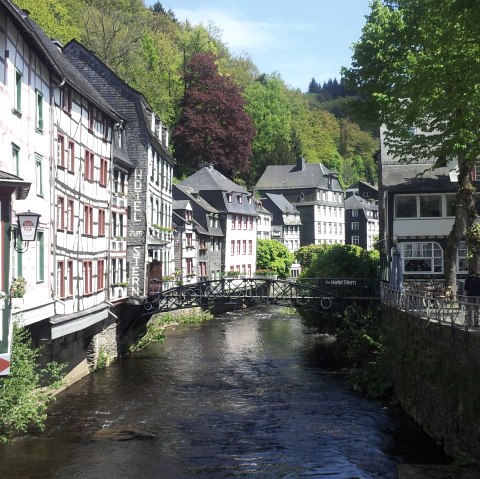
column 441, row 309
column 246, row 290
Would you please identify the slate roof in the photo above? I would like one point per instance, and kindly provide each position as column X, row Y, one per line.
column 94, row 71
column 355, row 202
column 308, row 175
column 209, row 179
column 368, row 185
column 284, row 212
column 261, row 209
column 415, row 177
column 70, row 74
column 190, row 193
column 281, row 203
column 180, row 204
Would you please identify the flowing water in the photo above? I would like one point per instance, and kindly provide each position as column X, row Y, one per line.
column 245, row 395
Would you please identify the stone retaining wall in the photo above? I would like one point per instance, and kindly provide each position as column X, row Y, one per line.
column 436, row 372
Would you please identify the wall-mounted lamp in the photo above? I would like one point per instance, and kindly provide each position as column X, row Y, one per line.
column 26, row 230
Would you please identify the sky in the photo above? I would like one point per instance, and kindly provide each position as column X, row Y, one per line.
column 298, row 39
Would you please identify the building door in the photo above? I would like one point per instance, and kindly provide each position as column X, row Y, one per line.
column 155, row 277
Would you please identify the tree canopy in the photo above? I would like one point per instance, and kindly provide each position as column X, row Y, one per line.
column 416, row 65
column 213, row 126
column 151, row 50
column 338, row 261
column 274, row 256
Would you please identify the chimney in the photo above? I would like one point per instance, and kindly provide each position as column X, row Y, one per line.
column 205, row 165
column 300, row 163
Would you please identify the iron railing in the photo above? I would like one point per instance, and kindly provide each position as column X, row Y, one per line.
column 426, row 305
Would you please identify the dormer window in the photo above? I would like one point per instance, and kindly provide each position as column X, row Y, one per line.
column 249, row 200
column 229, row 197
column 239, row 197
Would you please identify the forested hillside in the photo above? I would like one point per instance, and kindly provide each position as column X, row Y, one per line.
column 159, row 56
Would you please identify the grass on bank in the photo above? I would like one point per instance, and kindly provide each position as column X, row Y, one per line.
column 155, row 332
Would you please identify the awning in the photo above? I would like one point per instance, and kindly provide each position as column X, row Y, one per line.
column 11, row 183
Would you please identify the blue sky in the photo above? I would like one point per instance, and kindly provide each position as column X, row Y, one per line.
column 299, row 39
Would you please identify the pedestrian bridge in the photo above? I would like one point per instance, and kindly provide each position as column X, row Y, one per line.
column 325, row 294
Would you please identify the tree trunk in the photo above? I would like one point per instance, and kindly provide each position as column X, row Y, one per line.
column 465, row 217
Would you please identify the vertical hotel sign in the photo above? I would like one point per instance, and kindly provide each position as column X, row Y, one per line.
column 5, row 332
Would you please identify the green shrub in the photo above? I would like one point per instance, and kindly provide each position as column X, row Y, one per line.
column 26, row 393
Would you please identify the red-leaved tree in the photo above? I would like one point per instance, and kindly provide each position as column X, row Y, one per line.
column 213, row 126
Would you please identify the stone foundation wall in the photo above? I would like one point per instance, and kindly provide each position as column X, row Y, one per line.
column 436, row 372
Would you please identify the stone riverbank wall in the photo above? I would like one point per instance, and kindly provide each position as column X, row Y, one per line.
column 436, row 371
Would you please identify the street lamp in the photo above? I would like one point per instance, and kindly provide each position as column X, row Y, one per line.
column 27, row 224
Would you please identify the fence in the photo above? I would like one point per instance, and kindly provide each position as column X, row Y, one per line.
column 442, row 309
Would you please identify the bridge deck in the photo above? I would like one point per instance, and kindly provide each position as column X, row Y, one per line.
column 311, row 294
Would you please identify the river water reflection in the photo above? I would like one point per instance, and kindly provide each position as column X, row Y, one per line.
column 244, row 395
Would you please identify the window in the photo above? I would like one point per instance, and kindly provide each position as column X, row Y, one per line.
column 244, row 247
column 422, row 258
column 245, row 224
column 355, row 212
column 91, row 118
column 17, row 99
column 89, row 165
column 70, row 215
column 39, row 111
column 189, row 262
column 100, row 275
column 61, row 151
column 60, row 279
column 462, row 258
column 67, row 99
column 406, row 206
column 189, row 240
column 232, row 247
column 355, row 225
column 88, row 220
column 229, row 197
column 103, row 172
column 238, row 246
column 356, row 240
column 39, row 174
column 87, row 277
column 71, row 157
column 16, row 159
column 239, row 197
column 430, row 206
column 70, row 279
column 451, row 205
column 101, row 222
column 60, row 213
column 234, row 221
column 251, row 223
column 40, row 257
column 250, row 247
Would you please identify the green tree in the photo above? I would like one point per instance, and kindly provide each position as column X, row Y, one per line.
column 347, row 261
column 114, row 29
column 267, row 105
column 56, row 18
column 213, row 126
column 416, row 64
column 274, row 256
column 26, row 393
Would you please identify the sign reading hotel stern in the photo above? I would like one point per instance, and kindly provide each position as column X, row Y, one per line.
column 137, row 261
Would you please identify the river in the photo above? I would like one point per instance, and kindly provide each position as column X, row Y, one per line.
column 245, row 395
